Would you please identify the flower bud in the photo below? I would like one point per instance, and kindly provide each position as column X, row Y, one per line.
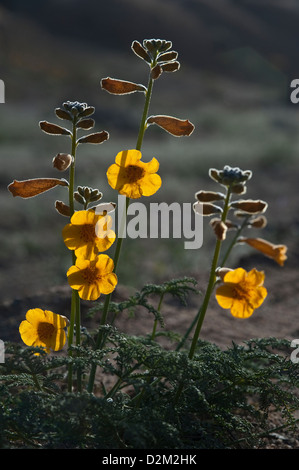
column 62, row 161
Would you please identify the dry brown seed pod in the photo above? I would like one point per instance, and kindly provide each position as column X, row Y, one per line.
column 171, row 66
column 62, row 114
column 33, row 187
column 175, row 126
column 140, row 51
column 50, row 128
column 258, row 222
column 156, row 72
column 62, row 208
column 206, row 208
column 62, row 161
column 85, row 124
column 209, row 196
column 121, row 87
column 168, row 56
column 250, row 206
column 219, row 227
column 96, row 138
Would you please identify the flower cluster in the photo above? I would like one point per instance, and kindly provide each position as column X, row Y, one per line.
column 241, row 292
column 88, row 235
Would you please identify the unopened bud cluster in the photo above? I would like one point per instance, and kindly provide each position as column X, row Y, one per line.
column 73, row 110
column 157, row 54
column 234, row 179
column 84, row 195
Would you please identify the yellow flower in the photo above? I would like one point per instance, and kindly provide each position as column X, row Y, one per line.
column 43, row 328
column 241, row 292
column 91, row 278
column 132, row 177
column 276, row 252
column 81, row 235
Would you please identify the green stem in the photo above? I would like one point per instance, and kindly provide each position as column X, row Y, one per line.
column 210, row 287
column 156, row 321
column 100, row 340
column 225, row 257
column 75, row 302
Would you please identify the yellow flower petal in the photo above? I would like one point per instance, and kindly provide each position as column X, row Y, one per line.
column 128, row 157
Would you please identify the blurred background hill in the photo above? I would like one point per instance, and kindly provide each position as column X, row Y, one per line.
column 237, row 57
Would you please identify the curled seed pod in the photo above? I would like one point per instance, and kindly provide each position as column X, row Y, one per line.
column 206, row 208
column 96, row 138
column 50, row 128
column 63, row 114
column 156, row 72
column 140, row 51
column 85, row 124
column 62, row 161
column 62, row 208
column 250, row 206
column 121, row 87
column 219, row 227
column 88, row 111
column 175, row 126
column 239, row 188
column 209, row 196
column 87, row 192
column 168, row 56
column 171, row 66
column 258, row 222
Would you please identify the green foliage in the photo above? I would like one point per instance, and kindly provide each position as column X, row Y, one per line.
column 227, row 399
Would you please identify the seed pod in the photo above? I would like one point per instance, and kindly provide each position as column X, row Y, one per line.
column 206, row 208
column 96, row 138
column 50, row 128
column 85, row 124
column 171, row 66
column 258, row 222
column 219, row 227
column 140, row 51
column 62, row 208
column 62, row 161
column 250, row 206
column 156, row 72
column 174, row 126
column 121, row 87
column 239, row 188
column 62, row 114
column 87, row 111
column 168, row 56
column 209, row 196
column 33, row 187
